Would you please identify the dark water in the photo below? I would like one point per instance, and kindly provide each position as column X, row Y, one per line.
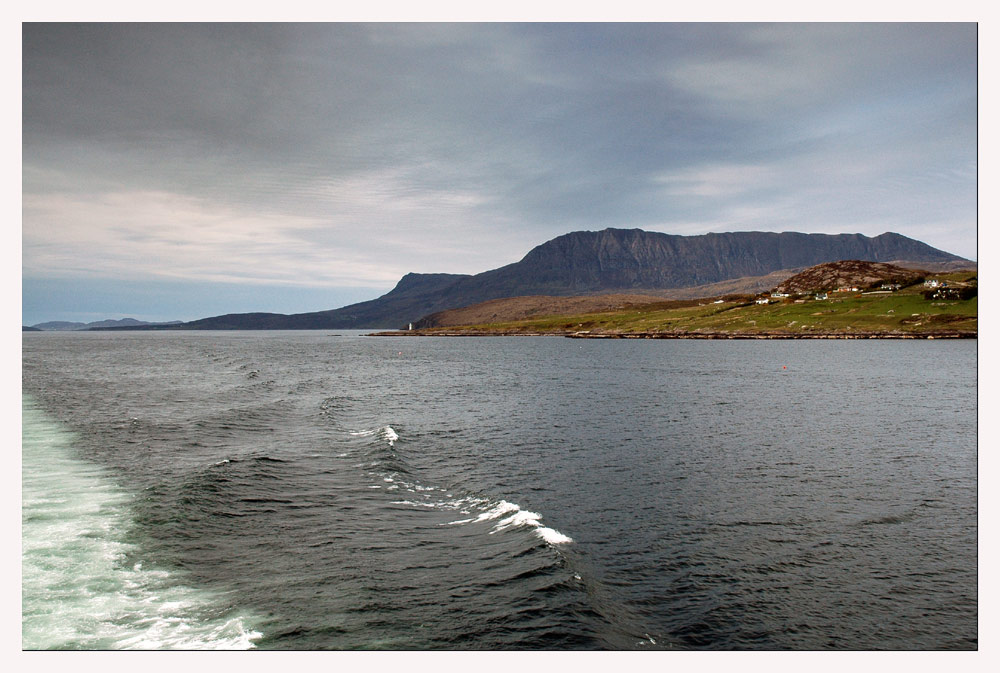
column 308, row 491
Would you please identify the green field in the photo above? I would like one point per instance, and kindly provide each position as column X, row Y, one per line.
column 902, row 312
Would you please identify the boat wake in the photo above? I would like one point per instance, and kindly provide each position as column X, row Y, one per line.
column 396, row 474
column 511, row 515
column 82, row 585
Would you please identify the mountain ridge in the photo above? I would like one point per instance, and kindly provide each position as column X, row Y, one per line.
column 610, row 261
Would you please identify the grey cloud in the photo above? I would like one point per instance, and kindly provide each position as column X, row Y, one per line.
column 460, row 134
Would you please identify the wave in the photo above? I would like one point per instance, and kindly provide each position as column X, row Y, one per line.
column 82, row 585
column 386, row 432
column 393, row 470
column 514, row 517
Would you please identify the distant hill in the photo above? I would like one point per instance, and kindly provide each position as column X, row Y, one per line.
column 612, row 261
column 59, row 325
column 63, row 326
column 848, row 273
column 415, row 295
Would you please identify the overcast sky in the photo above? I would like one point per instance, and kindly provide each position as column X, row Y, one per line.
column 180, row 171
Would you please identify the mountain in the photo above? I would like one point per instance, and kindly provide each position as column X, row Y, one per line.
column 612, row 261
column 629, row 261
column 617, row 259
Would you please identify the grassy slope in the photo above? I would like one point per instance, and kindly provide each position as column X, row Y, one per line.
column 904, row 312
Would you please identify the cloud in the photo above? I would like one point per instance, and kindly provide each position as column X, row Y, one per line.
column 364, row 230
column 349, row 154
column 792, row 68
column 159, row 234
column 716, row 180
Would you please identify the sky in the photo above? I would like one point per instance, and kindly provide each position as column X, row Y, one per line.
column 179, row 171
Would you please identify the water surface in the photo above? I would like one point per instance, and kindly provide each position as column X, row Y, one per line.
column 309, row 491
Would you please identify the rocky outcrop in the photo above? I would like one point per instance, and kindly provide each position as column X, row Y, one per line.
column 846, row 274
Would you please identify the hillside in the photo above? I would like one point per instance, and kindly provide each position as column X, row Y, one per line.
column 910, row 312
column 523, row 308
column 829, row 276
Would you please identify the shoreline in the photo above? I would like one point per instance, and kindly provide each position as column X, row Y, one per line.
column 685, row 335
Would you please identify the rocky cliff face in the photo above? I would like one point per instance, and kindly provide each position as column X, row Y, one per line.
column 587, row 261
column 626, row 260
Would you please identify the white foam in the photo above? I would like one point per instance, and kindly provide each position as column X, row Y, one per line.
column 552, row 536
column 411, row 503
column 501, row 508
column 514, row 517
column 386, row 432
column 498, row 510
column 77, row 592
column 519, row 518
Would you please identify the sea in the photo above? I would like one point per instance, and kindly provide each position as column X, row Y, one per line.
column 328, row 490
